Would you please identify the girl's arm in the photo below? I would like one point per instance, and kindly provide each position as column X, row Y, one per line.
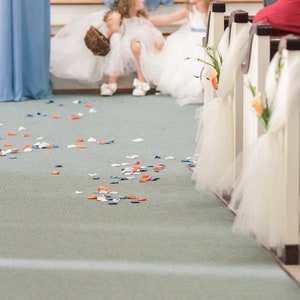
column 170, row 18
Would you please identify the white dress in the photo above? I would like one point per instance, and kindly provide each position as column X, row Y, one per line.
column 260, row 195
column 177, row 77
column 71, row 59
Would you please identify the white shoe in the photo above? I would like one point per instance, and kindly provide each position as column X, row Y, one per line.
column 108, row 89
column 140, row 88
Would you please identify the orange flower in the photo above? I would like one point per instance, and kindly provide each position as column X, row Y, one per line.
column 257, row 105
column 214, row 82
column 211, row 74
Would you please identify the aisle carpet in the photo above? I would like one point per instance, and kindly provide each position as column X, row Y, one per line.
column 177, row 243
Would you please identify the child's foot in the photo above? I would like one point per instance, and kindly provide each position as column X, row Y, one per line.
column 140, row 88
column 108, row 89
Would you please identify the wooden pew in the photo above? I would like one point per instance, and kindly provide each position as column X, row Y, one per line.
column 215, row 27
column 291, row 44
column 239, row 20
column 215, row 30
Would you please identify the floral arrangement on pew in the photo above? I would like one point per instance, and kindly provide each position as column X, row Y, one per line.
column 215, row 62
column 260, row 106
column 213, row 72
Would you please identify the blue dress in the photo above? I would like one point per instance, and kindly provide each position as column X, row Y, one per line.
column 24, row 50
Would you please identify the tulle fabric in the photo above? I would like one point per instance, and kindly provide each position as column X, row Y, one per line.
column 180, row 77
column 215, row 146
column 71, row 59
column 233, row 57
column 259, row 196
column 231, row 177
column 223, row 45
column 142, row 30
column 214, row 149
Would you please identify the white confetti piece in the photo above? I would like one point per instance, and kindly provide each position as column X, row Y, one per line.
column 115, row 165
column 102, row 199
column 138, row 140
column 132, row 156
column 92, row 140
column 71, row 146
column 93, row 174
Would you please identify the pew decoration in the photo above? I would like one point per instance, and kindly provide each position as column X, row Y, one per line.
column 260, row 193
column 214, row 153
column 260, row 105
column 214, row 64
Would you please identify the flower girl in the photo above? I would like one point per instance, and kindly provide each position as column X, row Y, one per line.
column 181, row 77
column 135, row 44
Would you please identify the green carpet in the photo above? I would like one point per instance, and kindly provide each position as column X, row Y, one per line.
column 56, row 244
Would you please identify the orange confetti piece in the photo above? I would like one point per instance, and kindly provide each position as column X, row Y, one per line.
column 27, row 147
column 142, row 199
column 145, row 178
column 79, row 140
column 72, row 118
column 7, row 145
column 55, row 172
column 131, row 197
column 87, row 105
column 15, row 150
column 158, row 168
column 81, row 146
column 101, row 142
column 11, row 133
column 56, row 117
column 101, row 188
column 25, row 134
column 92, row 197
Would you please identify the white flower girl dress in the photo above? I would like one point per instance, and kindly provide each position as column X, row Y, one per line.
column 178, row 74
column 71, row 59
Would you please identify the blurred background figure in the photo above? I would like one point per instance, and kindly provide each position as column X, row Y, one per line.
column 283, row 15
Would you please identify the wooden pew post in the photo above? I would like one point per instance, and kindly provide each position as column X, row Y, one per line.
column 292, row 146
column 215, row 29
column 240, row 19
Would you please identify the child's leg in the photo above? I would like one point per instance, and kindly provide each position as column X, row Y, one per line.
column 159, row 43
column 136, row 50
column 141, row 86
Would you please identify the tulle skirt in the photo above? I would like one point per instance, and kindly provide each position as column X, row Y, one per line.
column 143, row 31
column 181, row 77
column 214, row 149
column 70, row 58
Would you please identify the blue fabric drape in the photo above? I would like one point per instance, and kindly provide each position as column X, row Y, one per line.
column 24, row 49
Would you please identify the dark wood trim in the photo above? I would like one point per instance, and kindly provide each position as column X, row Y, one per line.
column 291, row 255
